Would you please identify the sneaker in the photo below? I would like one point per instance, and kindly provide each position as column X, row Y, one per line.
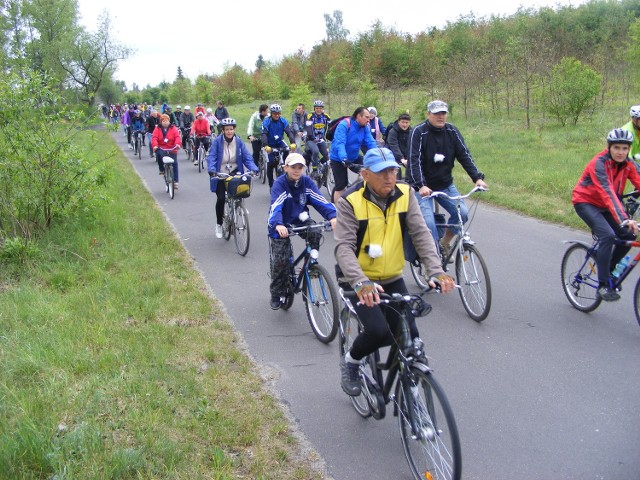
column 350, row 378
column 275, row 302
column 161, row 173
column 175, row 185
column 195, row 162
column 608, row 294
column 219, row 235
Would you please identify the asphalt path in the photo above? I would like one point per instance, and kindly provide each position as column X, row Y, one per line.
column 539, row 389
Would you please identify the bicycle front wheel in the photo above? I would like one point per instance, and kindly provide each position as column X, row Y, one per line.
column 264, row 159
column 321, row 301
column 428, row 428
column 169, row 180
column 475, row 286
column 227, row 221
column 418, row 272
column 580, row 278
column 241, row 229
column 349, row 330
column 200, row 159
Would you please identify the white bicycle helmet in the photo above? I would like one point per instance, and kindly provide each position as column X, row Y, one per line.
column 619, row 135
column 275, row 108
column 635, row 111
column 227, row 121
column 318, row 103
column 178, row 106
column 209, row 110
column 187, row 107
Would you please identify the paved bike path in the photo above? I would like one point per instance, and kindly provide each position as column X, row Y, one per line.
column 539, row 389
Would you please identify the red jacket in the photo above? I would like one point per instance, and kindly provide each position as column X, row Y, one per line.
column 602, row 184
column 201, row 127
column 169, row 140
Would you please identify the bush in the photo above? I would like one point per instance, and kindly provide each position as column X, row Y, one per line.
column 44, row 172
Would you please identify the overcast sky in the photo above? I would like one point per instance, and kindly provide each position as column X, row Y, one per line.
column 204, row 36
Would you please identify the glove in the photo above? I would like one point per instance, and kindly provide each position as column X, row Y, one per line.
column 292, row 146
column 268, row 149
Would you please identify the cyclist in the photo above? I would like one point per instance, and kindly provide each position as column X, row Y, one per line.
column 172, row 117
column 137, row 125
column 378, row 129
column 186, row 120
column 228, row 154
column 298, row 123
column 166, row 141
column 199, row 108
column 254, row 130
column 434, row 145
column 634, row 127
column 373, row 216
column 350, row 135
column 152, row 122
column 316, row 125
column 274, row 127
column 211, row 118
column 596, row 200
column 398, row 134
column 127, row 118
column 178, row 114
column 202, row 133
column 291, row 195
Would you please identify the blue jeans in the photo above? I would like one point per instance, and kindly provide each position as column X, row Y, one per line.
column 149, row 135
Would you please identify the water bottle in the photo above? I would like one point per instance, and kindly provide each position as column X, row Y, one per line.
column 621, row 266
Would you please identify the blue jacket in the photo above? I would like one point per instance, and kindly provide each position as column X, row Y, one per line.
column 289, row 200
column 137, row 123
column 244, row 158
column 347, row 141
column 272, row 129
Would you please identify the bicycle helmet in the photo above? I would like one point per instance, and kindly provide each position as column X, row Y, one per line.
column 635, row 111
column 318, row 103
column 209, row 110
column 275, row 108
column 619, row 135
column 373, row 110
column 178, row 106
column 187, row 107
column 137, row 112
column 227, row 121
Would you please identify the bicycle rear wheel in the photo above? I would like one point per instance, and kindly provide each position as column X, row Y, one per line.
column 264, row 159
column 636, row 301
column 432, row 446
column 418, row 271
column 321, row 301
column 227, row 220
column 349, row 329
column 241, row 234
column 200, row 158
column 288, row 296
column 579, row 274
column 139, row 147
column 475, row 286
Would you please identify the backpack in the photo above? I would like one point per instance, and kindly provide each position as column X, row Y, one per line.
column 386, row 132
column 331, row 128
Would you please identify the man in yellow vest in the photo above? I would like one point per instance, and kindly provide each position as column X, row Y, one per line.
column 373, row 216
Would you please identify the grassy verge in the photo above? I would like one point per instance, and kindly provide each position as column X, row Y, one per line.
column 117, row 363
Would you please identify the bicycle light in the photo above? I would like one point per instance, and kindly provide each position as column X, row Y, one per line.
column 314, row 254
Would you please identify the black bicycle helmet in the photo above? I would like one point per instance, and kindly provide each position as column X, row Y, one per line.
column 619, row 135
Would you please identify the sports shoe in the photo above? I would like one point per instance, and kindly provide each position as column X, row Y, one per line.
column 161, row 173
column 195, row 162
column 219, row 232
column 175, row 185
column 350, row 378
column 275, row 302
column 608, row 294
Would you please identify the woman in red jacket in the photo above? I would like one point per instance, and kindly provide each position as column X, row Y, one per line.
column 596, row 199
column 166, row 141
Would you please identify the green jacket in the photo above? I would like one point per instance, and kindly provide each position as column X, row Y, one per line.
column 255, row 125
column 635, row 146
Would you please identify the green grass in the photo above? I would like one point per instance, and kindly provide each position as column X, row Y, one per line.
column 118, row 363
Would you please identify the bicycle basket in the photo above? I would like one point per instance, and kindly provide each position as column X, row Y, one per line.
column 239, row 187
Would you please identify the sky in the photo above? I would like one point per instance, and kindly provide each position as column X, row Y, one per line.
column 205, row 36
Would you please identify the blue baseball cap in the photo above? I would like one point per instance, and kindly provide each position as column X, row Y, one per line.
column 378, row 159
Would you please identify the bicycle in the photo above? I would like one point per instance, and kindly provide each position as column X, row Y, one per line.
column 169, row 178
column 471, row 270
column 278, row 159
column 137, row 144
column 579, row 272
column 189, row 147
column 262, row 165
column 202, row 155
column 428, row 429
column 236, row 217
column 313, row 280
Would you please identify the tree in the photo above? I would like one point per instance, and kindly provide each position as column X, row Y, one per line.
column 335, row 29
column 260, row 63
column 93, row 58
column 572, row 88
column 180, row 75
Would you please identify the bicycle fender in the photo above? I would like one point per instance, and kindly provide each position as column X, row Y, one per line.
column 579, row 242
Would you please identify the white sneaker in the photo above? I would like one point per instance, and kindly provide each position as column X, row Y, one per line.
column 218, row 231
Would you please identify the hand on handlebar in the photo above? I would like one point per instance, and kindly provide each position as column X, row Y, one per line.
column 424, row 191
column 268, row 149
column 442, row 282
column 633, row 226
column 292, row 146
column 282, row 231
column 368, row 293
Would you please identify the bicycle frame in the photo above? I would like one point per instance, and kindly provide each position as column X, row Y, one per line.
column 305, row 256
column 592, row 251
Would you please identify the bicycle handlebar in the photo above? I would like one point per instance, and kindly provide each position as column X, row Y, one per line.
column 227, row 175
column 457, row 197
column 325, row 226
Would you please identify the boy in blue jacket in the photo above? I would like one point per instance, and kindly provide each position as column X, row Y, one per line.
column 290, row 198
